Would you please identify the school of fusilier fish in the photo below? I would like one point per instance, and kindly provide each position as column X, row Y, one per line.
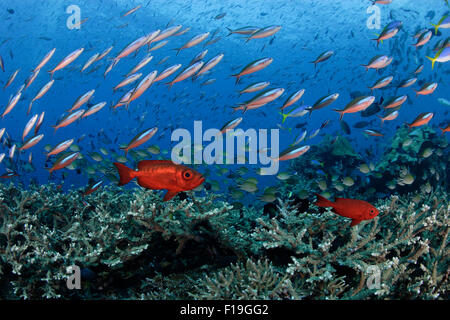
column 137, row 84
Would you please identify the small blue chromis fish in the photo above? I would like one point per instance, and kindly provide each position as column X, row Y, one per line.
column 299, row 138
column 296, row 112
column 443, row 55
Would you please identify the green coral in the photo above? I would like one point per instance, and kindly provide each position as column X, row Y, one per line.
column 341, row 147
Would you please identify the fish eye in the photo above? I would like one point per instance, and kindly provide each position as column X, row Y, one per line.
column 187, row 174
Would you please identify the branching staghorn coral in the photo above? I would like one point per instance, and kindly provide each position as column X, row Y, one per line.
column 44, row 231
column 406, row 243
column 248, row 281
column 142, row 248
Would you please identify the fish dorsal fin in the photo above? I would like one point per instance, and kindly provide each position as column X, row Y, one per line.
column 145, row 163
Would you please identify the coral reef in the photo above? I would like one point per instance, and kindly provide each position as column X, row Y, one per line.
column 129, row 244
column 416, row 159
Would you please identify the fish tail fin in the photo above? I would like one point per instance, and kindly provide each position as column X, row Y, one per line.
column 436, row 27
column 125, row 149
column 381, row 118
column 377, row 40
column 365, row 66
column 237, row 77
column 341, row 113
column 409, row 125
column 230, row 32
column 443, row 131
column 51, row 73
column 285, row 115
column 322, row 201
column 126, row 174
column 433, row 60
column 178, row 50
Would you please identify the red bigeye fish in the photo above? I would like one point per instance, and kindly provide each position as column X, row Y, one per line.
column 161, row 174
column 357, row 210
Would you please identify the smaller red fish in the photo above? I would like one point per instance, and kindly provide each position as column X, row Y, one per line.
column 8, row 175
column 357, row 210
column 445, row 129
column 92, row 188
column 422, row 119
column 161, row 174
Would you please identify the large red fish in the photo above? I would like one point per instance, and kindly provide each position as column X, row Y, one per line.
column 357, row 210
column 161, row 174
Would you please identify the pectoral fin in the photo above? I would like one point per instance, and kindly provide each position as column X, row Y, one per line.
column 354, row 222
column 169, row 195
